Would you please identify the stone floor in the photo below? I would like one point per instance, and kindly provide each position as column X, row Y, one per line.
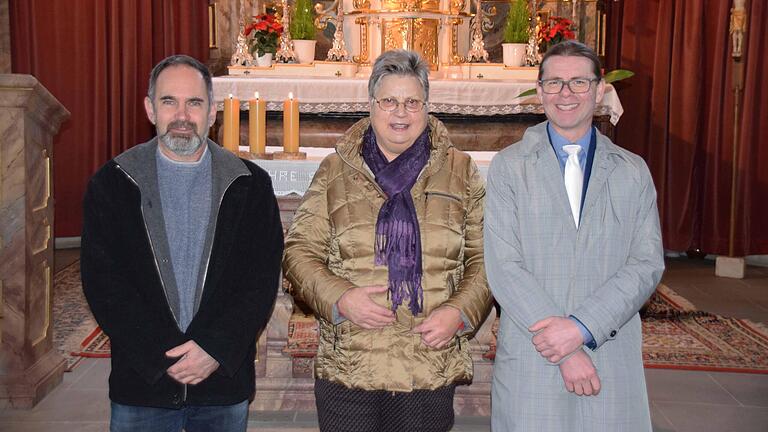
column 681, row 401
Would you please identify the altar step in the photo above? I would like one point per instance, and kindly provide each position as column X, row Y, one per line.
column 298, row 421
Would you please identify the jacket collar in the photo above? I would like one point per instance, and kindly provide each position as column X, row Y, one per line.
column 537, row 148
column 140, row 163
column 349, row 146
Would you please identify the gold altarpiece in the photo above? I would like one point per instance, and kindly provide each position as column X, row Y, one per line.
column 436, row 29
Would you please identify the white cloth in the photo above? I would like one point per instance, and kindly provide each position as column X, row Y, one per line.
column 295, row 176
column 574, row 180
column 452, row 96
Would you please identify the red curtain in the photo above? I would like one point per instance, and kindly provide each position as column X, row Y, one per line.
column 679, row 115
column 95, row 56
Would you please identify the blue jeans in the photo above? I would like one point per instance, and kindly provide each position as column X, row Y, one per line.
column 226, row 418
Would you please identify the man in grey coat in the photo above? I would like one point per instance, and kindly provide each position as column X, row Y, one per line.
column 573, row 250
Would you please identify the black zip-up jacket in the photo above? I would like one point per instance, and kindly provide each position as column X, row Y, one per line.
column 125, row 252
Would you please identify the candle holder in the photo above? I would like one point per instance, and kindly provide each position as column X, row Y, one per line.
column 242, row 55
column 285, row 53
column 477, row 52
column 338, row 52
column 250, row 155
column 300, row 155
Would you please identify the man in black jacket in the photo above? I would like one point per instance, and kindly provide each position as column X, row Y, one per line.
column 181, row 250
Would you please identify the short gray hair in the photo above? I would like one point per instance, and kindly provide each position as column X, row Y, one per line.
column 180, row 60
column 399, row 62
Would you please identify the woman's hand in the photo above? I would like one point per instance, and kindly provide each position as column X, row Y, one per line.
column 439, row 327
column 357, row 306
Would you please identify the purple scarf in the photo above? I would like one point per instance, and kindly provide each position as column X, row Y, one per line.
column 398, row 240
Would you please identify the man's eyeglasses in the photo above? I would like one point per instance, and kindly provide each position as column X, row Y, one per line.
column 575, row 85
column 390, row 104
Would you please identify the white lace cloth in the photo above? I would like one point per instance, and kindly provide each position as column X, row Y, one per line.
column 467, row 97
column 294, row 176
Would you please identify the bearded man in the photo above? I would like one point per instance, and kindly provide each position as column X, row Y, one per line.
column 181, row 249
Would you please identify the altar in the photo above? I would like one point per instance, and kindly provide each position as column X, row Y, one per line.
column 481, row 114
column 478, row 101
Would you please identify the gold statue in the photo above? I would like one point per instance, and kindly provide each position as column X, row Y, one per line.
column 738, row 26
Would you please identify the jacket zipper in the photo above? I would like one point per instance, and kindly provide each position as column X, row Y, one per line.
column 335, row 335
column 442, row 195
column 151, row 246
column 157, row 267
column 210, row 250
column 208, row 261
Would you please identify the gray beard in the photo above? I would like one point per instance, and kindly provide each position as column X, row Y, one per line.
column 181, row 145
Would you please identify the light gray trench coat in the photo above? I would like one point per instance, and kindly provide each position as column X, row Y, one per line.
column 539, row 265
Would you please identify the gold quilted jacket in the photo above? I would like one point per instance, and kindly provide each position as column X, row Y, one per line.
column 330, row 249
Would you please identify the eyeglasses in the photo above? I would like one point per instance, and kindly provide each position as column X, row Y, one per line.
column 389, row 104
column 575, row 85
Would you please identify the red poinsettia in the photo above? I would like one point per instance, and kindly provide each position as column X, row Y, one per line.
column 555, row 30
column 263, row 34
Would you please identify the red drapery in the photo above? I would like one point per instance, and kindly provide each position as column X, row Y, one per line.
column 95, row 57
column 679, row 115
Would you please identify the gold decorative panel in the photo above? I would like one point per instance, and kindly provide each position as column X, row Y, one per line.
column 45, row 178
column 416, row 34
column 410, row 5
column 42, row 305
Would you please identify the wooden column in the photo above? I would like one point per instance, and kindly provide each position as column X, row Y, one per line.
column 30, row 116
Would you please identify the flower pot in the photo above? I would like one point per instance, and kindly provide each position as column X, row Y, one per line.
column 265, row 60
column 304, row 50
column 513, row 54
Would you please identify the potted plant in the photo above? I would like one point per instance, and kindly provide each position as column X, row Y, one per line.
column 516, row 29
column 555, row 30
column 263, row 34
column 303, row 31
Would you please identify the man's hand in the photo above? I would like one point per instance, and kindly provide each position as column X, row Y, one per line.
column 357, row 306
column 556, row 337
column 194, row 366
column 579, row 375
column 439, row 327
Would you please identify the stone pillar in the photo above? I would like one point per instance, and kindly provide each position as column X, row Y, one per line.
column 30, row 116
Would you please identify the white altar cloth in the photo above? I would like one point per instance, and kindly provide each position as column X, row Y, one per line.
column 294, row 176
column 323, row 95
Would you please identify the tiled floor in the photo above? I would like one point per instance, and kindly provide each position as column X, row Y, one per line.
column 681, row 401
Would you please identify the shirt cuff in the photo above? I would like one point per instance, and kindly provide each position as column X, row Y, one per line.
column 589, row 340
column 337, row 318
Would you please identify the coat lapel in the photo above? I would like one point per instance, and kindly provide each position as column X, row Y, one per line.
column 601, row 170
column 552, row 178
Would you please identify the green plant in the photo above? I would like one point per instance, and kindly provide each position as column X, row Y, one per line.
column 516, row 26
column 302, row 23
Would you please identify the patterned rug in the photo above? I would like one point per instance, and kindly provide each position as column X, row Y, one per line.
column 96, row 345
column 678, row 336
column 675, row 334
column 72, row 319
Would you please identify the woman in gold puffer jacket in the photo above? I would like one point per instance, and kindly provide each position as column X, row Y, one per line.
column 391, row 327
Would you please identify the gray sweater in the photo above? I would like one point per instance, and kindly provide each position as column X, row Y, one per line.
column 185, row 195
